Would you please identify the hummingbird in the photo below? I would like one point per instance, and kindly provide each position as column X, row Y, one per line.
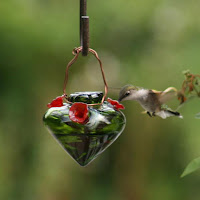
column 151, row 100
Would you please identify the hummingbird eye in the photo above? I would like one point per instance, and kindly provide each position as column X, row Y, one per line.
column 127, row 93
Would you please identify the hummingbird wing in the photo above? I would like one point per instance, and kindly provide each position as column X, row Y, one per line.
column 166, row 95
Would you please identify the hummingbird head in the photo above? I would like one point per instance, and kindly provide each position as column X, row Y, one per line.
column 128, row 92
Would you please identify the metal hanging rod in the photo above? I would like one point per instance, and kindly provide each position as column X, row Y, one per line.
column 84, row 27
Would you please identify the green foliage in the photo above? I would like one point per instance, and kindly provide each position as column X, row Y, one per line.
column 192, row 167
column 145, row 43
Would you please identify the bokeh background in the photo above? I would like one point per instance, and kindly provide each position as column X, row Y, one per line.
column 146, row 43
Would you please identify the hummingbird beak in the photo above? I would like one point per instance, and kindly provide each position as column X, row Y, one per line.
column 119, row 99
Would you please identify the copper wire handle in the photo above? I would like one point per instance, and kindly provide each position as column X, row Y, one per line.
column 76, row 52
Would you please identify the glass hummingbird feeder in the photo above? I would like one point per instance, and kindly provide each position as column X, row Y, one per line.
column 84, row 123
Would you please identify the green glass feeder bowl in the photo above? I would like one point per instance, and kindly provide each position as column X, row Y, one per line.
column 84, row 142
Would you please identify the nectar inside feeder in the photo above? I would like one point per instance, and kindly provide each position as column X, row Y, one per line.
column 86, row 124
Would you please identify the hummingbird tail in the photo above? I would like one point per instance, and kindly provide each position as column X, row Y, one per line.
column 168, row 113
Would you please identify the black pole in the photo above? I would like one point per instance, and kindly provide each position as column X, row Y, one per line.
column 84, row 27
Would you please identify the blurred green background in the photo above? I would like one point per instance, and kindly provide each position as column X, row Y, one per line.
column 146, row 43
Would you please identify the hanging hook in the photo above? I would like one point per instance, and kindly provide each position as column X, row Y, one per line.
column 84, row 27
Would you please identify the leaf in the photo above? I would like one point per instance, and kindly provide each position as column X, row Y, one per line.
column 192, row 166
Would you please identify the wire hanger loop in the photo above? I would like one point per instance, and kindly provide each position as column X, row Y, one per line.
column 76, row 53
